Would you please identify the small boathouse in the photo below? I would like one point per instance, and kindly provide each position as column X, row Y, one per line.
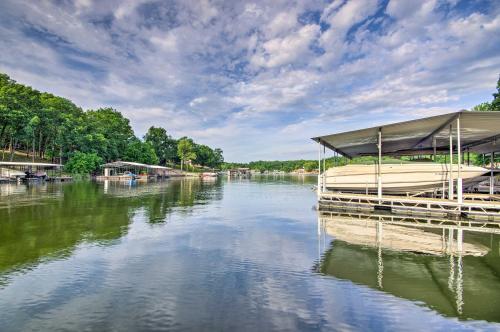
column 241, row 172
column 28, row 171
column 453, row 134
column 127, row 170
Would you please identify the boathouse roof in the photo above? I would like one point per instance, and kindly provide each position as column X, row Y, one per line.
column 18, row 164
column 479, row 132
column 119, row 164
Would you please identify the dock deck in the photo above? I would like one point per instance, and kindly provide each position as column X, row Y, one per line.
column 474, row 206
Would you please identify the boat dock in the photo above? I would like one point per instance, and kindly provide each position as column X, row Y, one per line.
column 241, row 172
column 455, row 135
column 127, row 171
column 11, row 171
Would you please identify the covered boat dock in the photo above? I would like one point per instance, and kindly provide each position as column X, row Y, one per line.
column 26, row 171
column 127, row 170
column 454, row 134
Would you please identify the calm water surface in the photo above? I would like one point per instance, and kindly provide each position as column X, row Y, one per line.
column 227, row 255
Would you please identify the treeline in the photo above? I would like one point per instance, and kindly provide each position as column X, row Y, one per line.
column 48, row 127
column 275, row 165
column 312, row 165
column 306, row 165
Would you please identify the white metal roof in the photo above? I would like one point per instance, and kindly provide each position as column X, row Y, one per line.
column 120, row 163
column 479, row 132
column 15, row 163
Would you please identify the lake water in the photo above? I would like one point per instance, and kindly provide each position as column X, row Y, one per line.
column 228, row 255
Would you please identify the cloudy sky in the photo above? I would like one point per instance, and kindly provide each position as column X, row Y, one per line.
column 256, row 78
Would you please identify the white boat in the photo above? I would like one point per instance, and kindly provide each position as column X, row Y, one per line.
column 404, row 178
column 207, row 175
column 11, row 173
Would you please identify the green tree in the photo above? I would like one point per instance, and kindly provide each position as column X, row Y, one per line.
column 185, row 150
column 48, row 126
column 495, row 104
column 164, row 145
column 107, row 133
column 218, row 158
column 310, row 166
column 83, row 163
column 60, row 121
column 141, row 152
column 483, row 107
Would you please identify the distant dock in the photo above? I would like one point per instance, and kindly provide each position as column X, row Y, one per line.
column 30, row 172
column 132, row 171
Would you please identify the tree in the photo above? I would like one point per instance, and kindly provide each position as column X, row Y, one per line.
column 483, row 107
column 495, row 104
column 107, row 133
column 60, row 127
column 310, row 166
column 185, row 150
column 165, row 146
column 83, row 163
column 141, row 152
column 218, row 158
column 48, row 126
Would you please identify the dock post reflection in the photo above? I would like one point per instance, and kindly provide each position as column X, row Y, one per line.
column 380, row 262
column 459, row 284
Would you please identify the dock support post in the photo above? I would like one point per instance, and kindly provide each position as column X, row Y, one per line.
column 492, row 178
column 379, row 173
column 450, row 173
column 434, row 149
column 319, row 169
column 459, row 164
column 324, row 169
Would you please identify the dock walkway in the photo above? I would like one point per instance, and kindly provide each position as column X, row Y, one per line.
column 487, row 208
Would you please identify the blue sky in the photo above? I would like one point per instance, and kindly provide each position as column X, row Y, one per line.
column 256, row 78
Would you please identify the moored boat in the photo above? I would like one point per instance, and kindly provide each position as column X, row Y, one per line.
column 11, row 174
column 209, row 175
column 399, row 177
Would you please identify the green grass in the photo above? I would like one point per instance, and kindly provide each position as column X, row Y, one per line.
column 20, row 156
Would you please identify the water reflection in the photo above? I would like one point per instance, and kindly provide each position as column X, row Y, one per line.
column 452, row 267
column 48, row 221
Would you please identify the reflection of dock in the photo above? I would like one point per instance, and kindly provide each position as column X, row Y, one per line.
column 479, row 226
column 426, row 260
column 400, row 233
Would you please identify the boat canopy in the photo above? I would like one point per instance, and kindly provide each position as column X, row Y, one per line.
column 479, row 132
column 20, row 164
column 120, row 164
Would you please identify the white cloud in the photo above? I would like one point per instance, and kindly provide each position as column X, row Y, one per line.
column 281, row 23
column 197, row 101
column 256, row 79
column 280, row 51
